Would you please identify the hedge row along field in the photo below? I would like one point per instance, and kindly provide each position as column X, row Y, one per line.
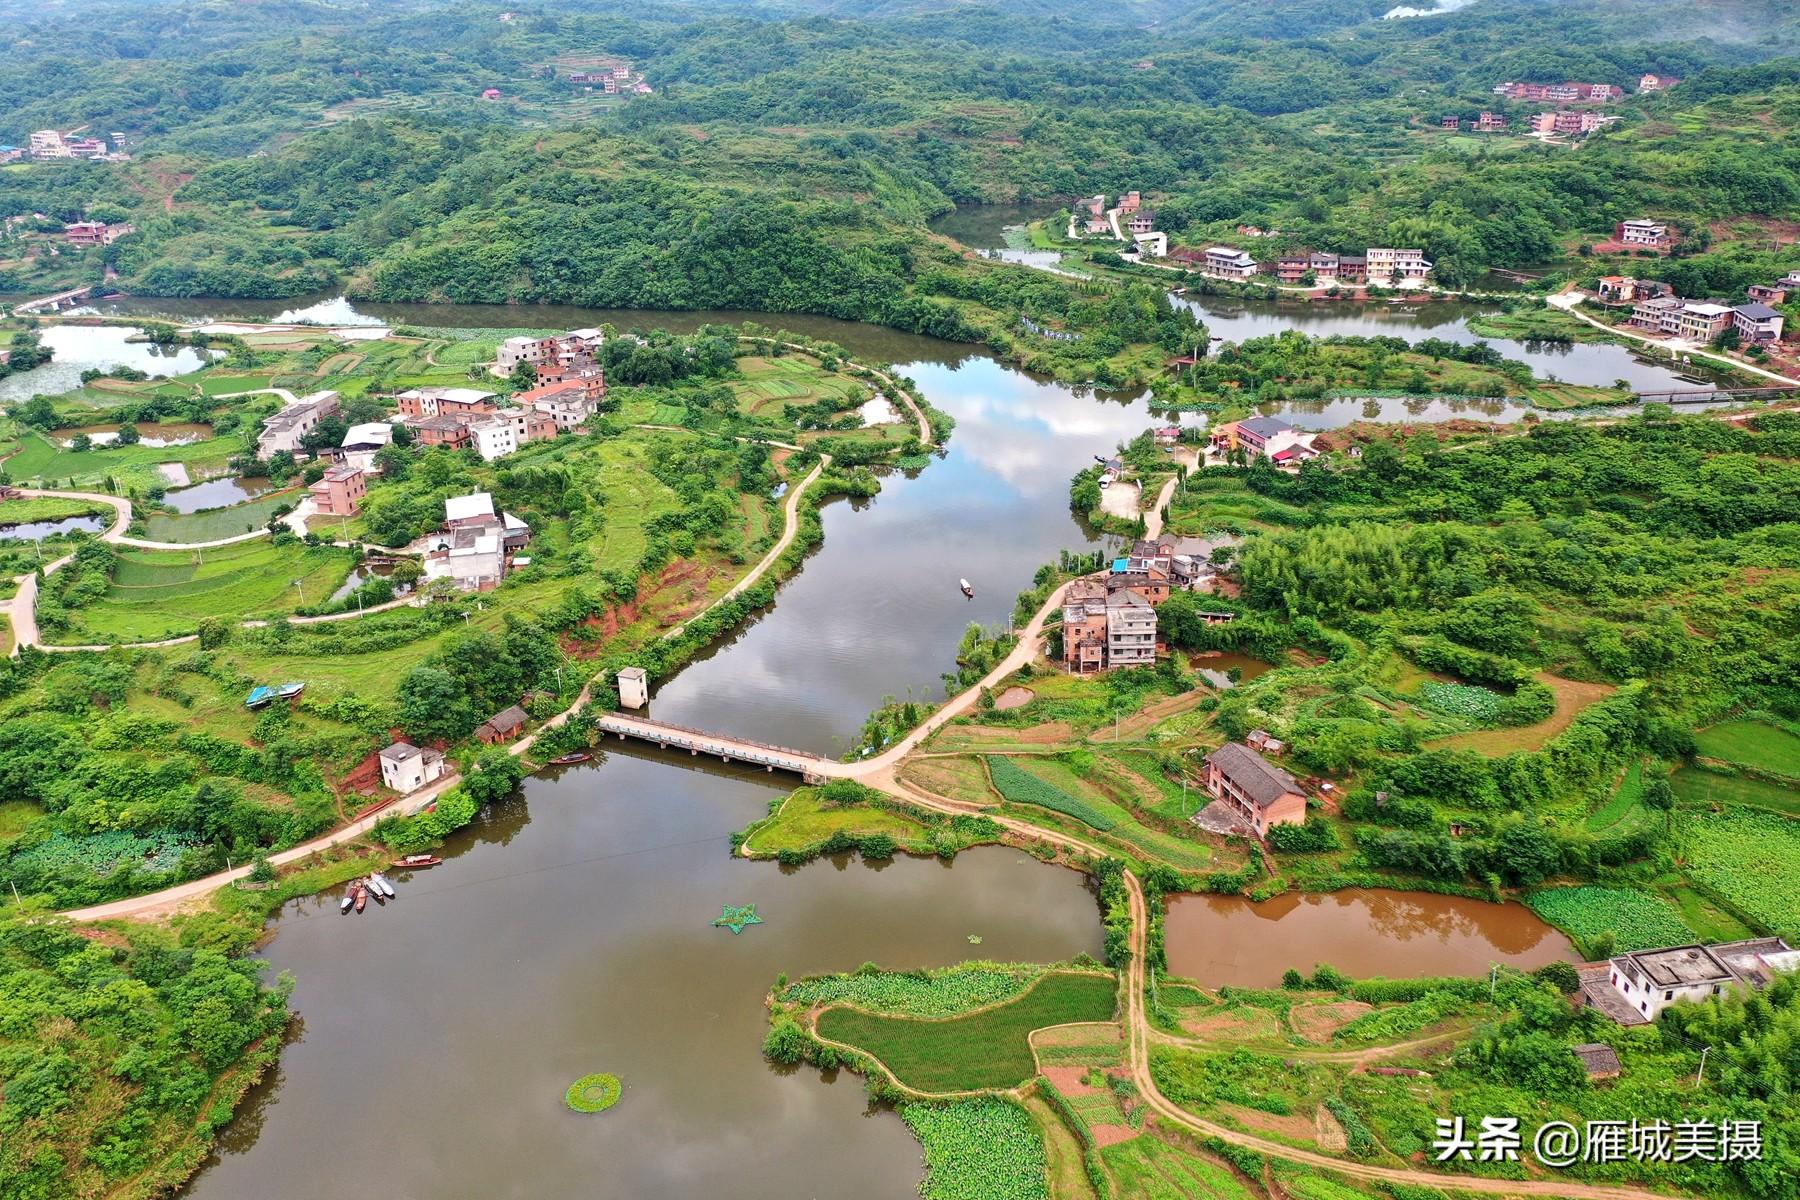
column 1638, row 921
column 1752, row 859
column 978, row 1150
column 987, row 1049
column 941, row 993
column 1022, row 787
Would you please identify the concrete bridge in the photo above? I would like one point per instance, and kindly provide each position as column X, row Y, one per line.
column 1708, row 395
column 810, row 767
column 68, row 299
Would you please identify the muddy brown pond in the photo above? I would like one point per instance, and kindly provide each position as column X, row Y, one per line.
column 1360, row 931
column 570, row 929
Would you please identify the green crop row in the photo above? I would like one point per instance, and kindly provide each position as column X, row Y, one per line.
column 1022, row 787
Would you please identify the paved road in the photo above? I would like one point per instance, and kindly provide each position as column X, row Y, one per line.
column 1568, row 301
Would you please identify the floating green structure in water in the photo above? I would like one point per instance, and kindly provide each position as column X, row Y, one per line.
column 736, row 916
column 594, row 1093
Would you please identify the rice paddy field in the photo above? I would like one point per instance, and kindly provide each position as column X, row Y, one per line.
column 1699, row 788
column 159, row 594
column 214, row 523
column 1755, row 744
column 771, row 385
column 985, row 1049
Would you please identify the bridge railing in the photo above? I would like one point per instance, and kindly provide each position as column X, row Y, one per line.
column 663, row 730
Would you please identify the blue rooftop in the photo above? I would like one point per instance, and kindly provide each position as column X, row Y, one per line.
column 1121, row 564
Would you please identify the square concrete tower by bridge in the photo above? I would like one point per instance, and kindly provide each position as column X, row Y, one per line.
column 634, row 687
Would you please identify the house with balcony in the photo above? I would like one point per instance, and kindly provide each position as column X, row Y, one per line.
column 1757, row 322
column 1490, row 122
column 1228, row 262
column 1130, row 629
column 1641, row 232
column 1704, row 321
column 339, row 492
column 1260, row 792
column 1406, row 267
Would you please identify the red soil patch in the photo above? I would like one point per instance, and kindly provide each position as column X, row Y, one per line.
column 1233, row 1026
column 1317, row 1022
column 1070, row 1081
column 1300, row 1129
column 1111, row 1135
column 1014, row 697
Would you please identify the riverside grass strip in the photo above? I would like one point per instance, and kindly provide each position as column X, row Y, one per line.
column 985, row 1049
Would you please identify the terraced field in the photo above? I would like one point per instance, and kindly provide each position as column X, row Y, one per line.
column 771, row 385
column 166, row 593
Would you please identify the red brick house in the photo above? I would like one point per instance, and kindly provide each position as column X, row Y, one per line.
column 1261, row 792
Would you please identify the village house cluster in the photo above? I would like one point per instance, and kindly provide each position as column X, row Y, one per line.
column 477, row 547
column 1110, row 622
column 50, row 145
column 1634, row 988
column 613, row 80
column 1382, row 266
column 571, row 385
column 1655, row 309
column 1564, row 93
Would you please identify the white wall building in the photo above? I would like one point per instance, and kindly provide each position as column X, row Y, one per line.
column 406, row 768
column 493, row 437
column 1642, row 233
column 285, row 429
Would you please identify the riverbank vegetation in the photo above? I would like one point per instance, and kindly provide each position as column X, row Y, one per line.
column 1493, row 649
column 140, row 766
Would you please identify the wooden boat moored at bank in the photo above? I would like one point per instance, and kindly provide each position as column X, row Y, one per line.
column 413, row 862
column 577, row 756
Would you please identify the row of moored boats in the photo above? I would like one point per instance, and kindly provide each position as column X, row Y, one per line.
column 356, row 896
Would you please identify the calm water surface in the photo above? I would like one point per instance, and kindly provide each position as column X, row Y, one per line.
column 81, row 347
column 1362, row 932
column 216, row 493
column 30, row 531
column 570, row 932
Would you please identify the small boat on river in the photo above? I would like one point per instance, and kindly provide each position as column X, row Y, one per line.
column 348, row 900
column 379, row 882
column 576, row 756
column 258, row 697
column 362, row 895
column 413, row 862
column 968, row 589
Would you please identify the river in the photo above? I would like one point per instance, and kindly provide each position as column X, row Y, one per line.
column 569, row 931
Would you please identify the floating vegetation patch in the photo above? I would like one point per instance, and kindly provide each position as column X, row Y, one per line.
column 594, row 1093
column 736, row 916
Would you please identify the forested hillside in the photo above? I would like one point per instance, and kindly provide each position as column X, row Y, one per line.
column 789, row 158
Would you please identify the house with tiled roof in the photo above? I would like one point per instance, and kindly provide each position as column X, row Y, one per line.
column 1262, row 793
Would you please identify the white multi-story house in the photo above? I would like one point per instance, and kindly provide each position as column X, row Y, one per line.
column 1406, row 266
column 1642, row 232
column 1130, row 630
column 1228, row 262
column 1757, row 322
